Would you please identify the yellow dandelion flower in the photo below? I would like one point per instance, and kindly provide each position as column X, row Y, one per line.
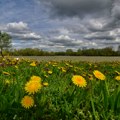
column 71, row 66
column 67, row 64
column 99, row 75
column 7, row 81
column 16, row 66
column 59, row 67
column 117, row 72
column 63, row 70
column 32, row 86
column 117, row 78
column 49, row 72
column 54, row 65
column 27, row 102
column 35, row 78
column 45, row 84
column 79, row 81
column 45, row 75
column 33, row 64
column 6, row 73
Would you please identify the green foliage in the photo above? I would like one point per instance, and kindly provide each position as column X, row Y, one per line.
column 68, row 52
column 5, row 41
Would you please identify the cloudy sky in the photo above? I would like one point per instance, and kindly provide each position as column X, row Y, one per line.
column 57, row 25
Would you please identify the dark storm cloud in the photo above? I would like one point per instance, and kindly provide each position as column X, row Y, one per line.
column 79, row 8
column 114, row 19
column 108, row 10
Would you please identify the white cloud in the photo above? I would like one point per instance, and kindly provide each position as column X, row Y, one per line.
column 16, row 27
column 20, row 31
column 63, row 37
column 95, row 24
column 31, row 35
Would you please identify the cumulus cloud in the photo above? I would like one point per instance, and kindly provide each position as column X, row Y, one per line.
column 20, row 31
column 17, row 27
column 66, row 41
column 106, row 35
column 100, row 36
column 25, row 36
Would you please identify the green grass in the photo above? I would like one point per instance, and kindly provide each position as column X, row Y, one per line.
column 61, row 99
column 74, row 58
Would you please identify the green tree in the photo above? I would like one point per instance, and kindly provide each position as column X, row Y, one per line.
column 5, row 42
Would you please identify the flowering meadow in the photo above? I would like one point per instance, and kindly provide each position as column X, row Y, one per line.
column 65, row 90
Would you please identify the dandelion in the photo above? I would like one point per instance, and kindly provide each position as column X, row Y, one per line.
column 99, row 75
column 32, row 87
column 35, row 78
column 63, row 69
column 117, row 78
column 16, row 66
column 45, row 75
column 33, row 64
column 117, row 72
column 79, row 81
column 45, row 84
column 27, row 102
column 49, row 72
column 6, row 73
column 7, row 82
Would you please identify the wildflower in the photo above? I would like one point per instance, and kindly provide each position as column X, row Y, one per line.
column 7, row 82
column 117, row 72
column 35, row 78
column 45, row 84
column 33, row 64
column 49, row 72
column 117, row 78
column 63, row 69
column 45, row 75
column 6, row 73
column 27, row 102
column 17, row 59
column 79, row 81
column 99, row 75
column 16, row 66
column 67, row 64
column 32, row 86
column 54, row 65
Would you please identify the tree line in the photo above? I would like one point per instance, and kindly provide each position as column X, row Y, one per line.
column 69, row 52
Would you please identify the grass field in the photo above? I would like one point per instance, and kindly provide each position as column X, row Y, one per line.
column 59, row 90
column 74, row 58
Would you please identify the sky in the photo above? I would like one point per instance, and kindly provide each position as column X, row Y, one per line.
column 58, row 25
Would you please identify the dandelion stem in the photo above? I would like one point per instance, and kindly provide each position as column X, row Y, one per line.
column 93, row 107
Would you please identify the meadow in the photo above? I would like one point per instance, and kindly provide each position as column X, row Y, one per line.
column 59, row 90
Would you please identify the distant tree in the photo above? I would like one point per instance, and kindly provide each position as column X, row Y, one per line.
column 69, row 52
column 5, row 42
column 118, row 48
